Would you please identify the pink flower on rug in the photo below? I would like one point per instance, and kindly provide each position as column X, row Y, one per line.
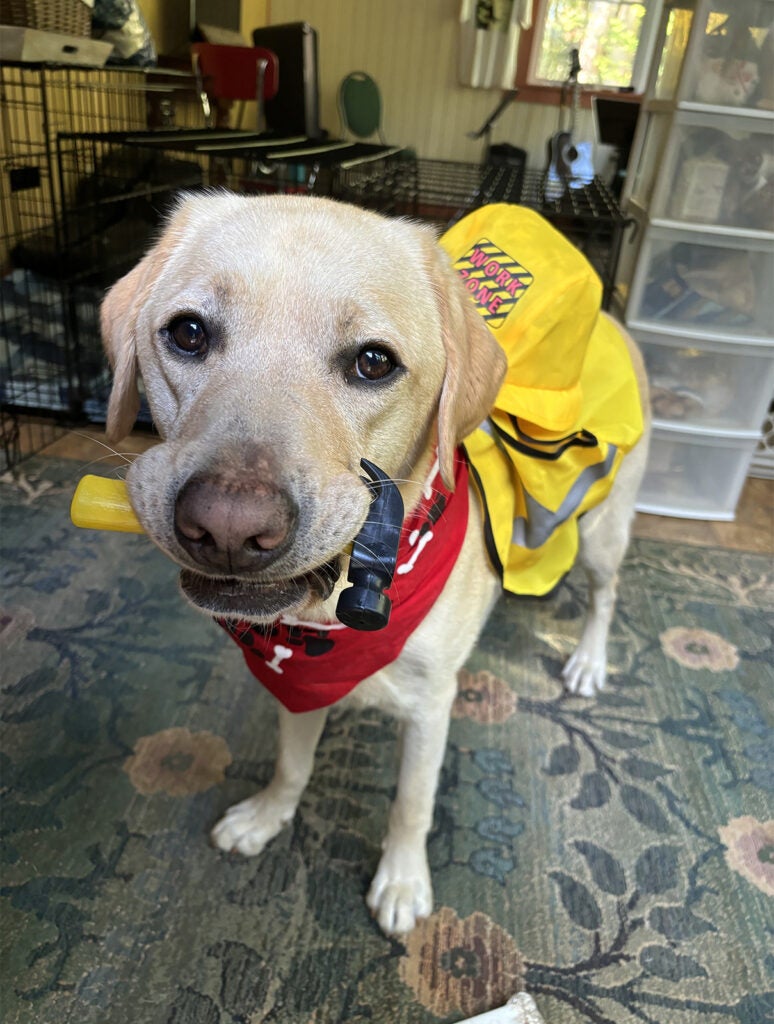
column 177, row 762
column 461, row 966
column 699, row 648
column 750, row 850
column 15, row 624
column 484, row 698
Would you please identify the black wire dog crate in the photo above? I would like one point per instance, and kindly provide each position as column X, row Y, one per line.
column 587, row 214
column 117, row 196
column 49, row 352
column 85, row 217
column 118, row 186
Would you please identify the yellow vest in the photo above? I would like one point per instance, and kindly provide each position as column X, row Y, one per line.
column 569, row 408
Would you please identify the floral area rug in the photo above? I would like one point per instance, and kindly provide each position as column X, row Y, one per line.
column 614, row 858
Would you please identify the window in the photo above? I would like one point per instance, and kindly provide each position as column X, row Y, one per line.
column 614, row 38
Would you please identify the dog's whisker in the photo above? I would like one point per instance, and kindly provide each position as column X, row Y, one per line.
column 357, row 562
column 404, row 530
column 428, row 490
column 407, row 480
column 103, row 444
column 321, row 578
column 104, row 458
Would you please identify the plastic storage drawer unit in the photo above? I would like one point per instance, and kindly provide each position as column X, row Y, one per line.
column 722, row 386
column 695, row 476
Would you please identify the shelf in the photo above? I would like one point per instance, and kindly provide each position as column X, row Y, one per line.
column 689, row 333
column 701, row 300
column 706, row 387
column 694, row 475
column 746, row 113
column 696, row 434
column 717, row 285
column 719, row 230
column 688, row 106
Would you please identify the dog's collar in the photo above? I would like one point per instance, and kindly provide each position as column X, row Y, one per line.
column 310, row 665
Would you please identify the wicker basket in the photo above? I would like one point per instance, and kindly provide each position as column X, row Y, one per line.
column 68, row 17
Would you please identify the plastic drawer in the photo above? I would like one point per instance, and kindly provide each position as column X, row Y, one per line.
column 716, row 285
column 726, row 65
column 718, row 169
column 695, row 476
column 726, row 387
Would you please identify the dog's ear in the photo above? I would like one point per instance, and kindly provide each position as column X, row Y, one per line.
column 118, row 317
column 475, row 365
column 118, row 323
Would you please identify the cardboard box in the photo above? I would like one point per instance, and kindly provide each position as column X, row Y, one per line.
column 699, row 188
column 33, row 46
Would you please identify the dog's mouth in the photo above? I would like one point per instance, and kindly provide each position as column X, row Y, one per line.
column 236, row 598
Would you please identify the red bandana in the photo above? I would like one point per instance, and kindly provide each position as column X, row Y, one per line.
column 312, row 665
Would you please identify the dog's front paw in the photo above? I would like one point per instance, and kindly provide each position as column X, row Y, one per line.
column 401, row 892
column 586, row 671
column 248, row 826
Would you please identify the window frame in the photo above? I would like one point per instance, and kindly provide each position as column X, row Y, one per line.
column 550, row 93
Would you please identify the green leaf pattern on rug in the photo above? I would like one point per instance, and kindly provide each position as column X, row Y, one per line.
column 614, row 857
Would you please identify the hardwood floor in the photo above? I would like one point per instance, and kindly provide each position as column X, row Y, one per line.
column 752, row 530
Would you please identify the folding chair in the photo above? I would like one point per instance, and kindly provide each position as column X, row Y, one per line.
column 360, row 106
column 228, row 73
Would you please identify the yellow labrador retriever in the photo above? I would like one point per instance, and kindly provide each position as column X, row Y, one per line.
column 280, row 342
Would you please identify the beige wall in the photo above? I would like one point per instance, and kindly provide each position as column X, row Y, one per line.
column 410, row 48
column 254, row 14
column 168, row 23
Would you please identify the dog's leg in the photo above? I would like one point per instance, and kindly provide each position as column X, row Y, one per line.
column 586, row 670
column 604, row 538
column 401, row 891
column 426, row 680
column 248, row 826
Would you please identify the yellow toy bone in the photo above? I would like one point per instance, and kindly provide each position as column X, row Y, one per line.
column 102, row 504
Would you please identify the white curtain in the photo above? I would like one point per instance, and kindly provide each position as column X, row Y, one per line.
column 489, row 41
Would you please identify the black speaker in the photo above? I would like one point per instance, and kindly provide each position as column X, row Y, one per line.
column 295, row 110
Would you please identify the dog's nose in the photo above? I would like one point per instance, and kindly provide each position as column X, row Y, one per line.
column 234, row 527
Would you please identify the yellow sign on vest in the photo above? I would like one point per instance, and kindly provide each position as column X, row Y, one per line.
column 569, row 408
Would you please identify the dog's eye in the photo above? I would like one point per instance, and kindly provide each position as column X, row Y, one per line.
column 188, row 335
column 374, row 363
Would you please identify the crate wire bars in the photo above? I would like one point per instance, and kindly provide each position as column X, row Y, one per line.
column 85, row 185
column 48, row 347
